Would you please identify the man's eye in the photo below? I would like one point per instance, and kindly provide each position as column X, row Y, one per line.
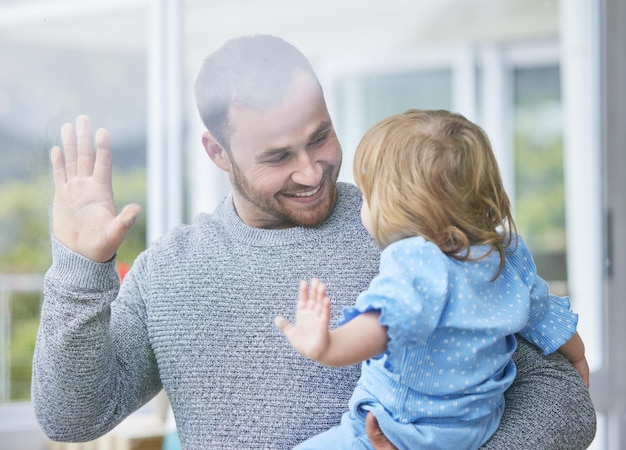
column 318, row 141
column 278, row 159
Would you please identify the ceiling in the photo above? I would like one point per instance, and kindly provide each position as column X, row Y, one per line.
column 320, row 28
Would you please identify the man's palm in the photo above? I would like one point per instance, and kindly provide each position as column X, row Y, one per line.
column 84, row 216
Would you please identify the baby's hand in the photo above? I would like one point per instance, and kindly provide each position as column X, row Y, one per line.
column 309, row 334
column 582, row 367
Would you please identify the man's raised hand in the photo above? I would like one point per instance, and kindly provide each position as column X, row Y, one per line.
column 84, row 215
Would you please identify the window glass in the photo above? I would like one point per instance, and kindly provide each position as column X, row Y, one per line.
column 40, row 89
column 539, row 184
column 538, row 145
column 395, row 93
column 363, row 100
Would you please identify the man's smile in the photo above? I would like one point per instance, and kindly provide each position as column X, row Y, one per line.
column 309, row 193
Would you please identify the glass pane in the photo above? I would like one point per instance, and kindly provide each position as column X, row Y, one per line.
column 392, row 94
column 362, row 100
column 41, row 87
column 19, row 322
column 540, row 204
column 384, row 95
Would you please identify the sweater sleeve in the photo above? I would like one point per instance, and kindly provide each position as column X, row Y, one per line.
column 546, row 407
column 93, row 364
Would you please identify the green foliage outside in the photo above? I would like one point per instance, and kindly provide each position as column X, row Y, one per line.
column 24, row 309
column 130, row 187
column 25, row 249
column 539, row 173
column 540, row 196
column 25, row 241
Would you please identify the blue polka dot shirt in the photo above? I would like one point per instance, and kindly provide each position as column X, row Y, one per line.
column 451, row 327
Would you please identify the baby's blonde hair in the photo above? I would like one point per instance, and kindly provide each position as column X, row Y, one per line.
column 432, row 173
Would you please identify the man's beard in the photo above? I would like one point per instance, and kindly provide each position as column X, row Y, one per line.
column 274, row 206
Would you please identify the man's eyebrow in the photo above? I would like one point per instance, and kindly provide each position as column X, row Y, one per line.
column 324, row 127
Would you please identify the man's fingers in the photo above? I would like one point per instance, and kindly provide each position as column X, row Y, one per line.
column 68, row 136
column 115, row 232
column 58, row 167
column 126, row 218
column 103, row 164
column 86, row 156
column 123, row 223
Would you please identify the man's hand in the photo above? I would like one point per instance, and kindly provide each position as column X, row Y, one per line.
column 84, row 216
column 378, row 440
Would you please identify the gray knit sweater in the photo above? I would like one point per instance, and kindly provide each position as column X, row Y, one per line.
column 195, row 315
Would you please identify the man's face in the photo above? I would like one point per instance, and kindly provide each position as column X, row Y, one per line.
column 284, row 159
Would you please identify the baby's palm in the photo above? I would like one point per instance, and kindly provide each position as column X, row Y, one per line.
column 309, row 335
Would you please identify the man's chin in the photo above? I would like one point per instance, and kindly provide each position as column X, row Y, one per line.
column 312, row 215
column 312, row 218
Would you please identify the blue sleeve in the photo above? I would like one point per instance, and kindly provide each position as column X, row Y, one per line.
column 409, row 292
column 551, row 323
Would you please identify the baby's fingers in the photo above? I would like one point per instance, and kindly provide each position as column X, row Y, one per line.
column 319, row 291
column 282, row 323
column 303, row 295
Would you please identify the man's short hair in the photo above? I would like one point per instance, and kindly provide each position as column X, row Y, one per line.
column 250, row 71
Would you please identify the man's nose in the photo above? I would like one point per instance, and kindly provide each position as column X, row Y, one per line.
column 307, row 172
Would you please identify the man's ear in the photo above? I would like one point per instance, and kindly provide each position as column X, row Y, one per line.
column 216, row 152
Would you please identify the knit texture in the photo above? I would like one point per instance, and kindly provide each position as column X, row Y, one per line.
column 195, row 316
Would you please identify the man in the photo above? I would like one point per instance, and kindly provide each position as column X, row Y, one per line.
column 195, row 313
